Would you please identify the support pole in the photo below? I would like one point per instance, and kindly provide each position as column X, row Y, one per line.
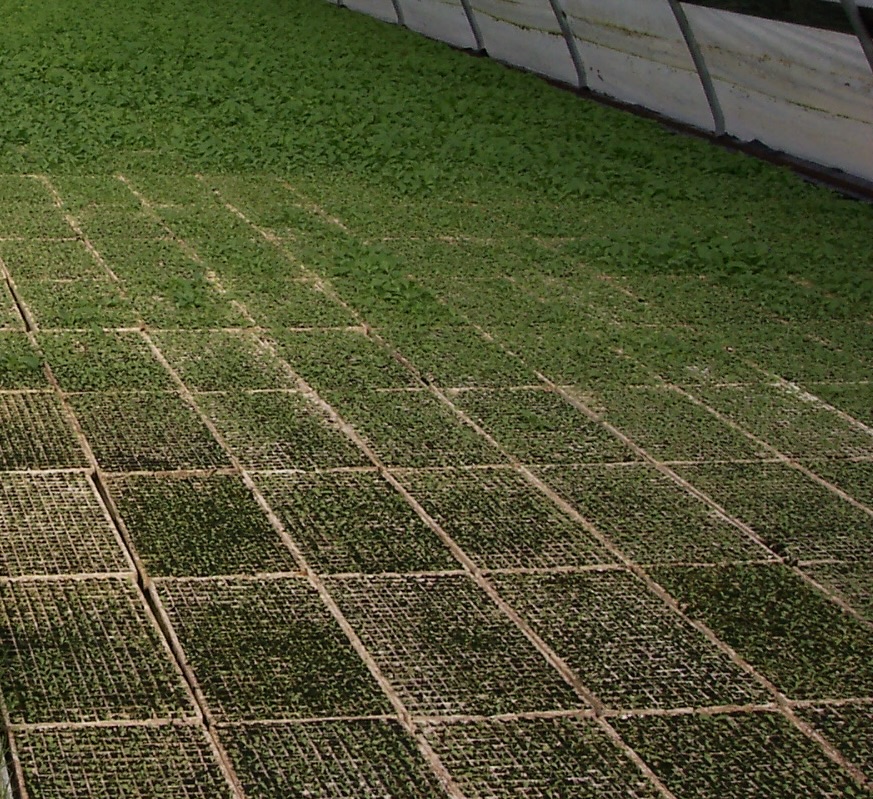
column 474, row 25
column 851, row 9
column 570, row 39
column 700, row 64
column 399, row 12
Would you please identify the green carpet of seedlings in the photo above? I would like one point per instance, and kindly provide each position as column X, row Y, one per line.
column 198, row 526
column 217, row 360
column 540, row 427
column 806, row 644
column 851, row 728
column 413, row 429
column 342, row 360
column 103, row 361
column 376, row 421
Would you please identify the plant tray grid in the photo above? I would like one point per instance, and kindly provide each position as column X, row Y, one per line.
column 268, row 649
column 198, row 526
column 791, row 422
column 501, row 521
column 649, row 517
column 809, row 647
column 35, row 434
column 851, row 582
column 735, row 756
column 625, row 644
column 103, row 361
column 32, row 220
column 354, row 522
column 294, row 304
column 537, row 758
column 54, row 524
column 361, row 759
column 84, row 650
column 20, row 363
column 447, row 649
column 10, row 319
column 855, row 478
column 793, row 514
column 222, row 361
column 146, row 432
column 134, row 762
column 849, row 728
column 50, row 260
column 541, row 427
column 460, row 357
column 77, row 304
column 413, row 429
column 283, row 430
column 342, row 360
column 672, row 428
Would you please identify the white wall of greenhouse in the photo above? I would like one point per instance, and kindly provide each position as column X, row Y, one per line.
column 804, row 90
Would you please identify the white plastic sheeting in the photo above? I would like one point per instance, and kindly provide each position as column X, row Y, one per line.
column 440, row 19
column 525, row 33
column 803, row 90
column 633, row 50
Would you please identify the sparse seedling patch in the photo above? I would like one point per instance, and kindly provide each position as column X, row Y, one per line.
column 540, row 758
column 139, row 431
column 53, row 524
column 35, row 434
column 173, row 762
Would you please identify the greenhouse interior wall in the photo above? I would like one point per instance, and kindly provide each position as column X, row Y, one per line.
column 796, row 76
